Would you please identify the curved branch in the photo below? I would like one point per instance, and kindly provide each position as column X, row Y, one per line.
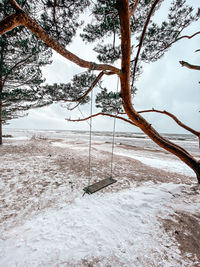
column 174, row 118
column 102, row 114
column 182, row 37
column 86, row 93
column 186, row 36
column 123, row 9
column 15, row 5
column 23, row 19
column 89, row 89
column 16, row 65
column 132, row 9
column 142, row 37
column 11, row 22
column 189, row 66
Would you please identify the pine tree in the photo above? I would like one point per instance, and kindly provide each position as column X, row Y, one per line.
column 121, row 30
column 21, row 57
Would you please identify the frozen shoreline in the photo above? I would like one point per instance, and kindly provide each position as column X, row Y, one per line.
column 46, row 222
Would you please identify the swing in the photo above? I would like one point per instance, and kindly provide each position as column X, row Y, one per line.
column 99, row 185
column 93, row 188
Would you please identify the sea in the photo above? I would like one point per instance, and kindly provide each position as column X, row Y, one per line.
column 129, row 139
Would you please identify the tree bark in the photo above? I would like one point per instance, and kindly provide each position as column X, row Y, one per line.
column 189, row 129
column 0, row 114
column 0, row 122
column 189, row 66
column 1, row 90
column 103, row 114
column 123, row 9
column 23, row 19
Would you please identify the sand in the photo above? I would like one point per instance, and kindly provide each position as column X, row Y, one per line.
column 38, row 174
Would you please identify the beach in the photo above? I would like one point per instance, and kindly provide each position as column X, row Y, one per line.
column 149, row 217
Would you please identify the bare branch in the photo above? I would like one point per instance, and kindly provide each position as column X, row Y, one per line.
column 132, row 9
column 142, row 38
column 122, row 6
column 186, row 36
column 102, row 114
column 86, row 93
column 89, row 90
column 69, row 108
column 174, row 118
column 189, row 66
column 11, row 22
column 182, row 37
column 24, row 3
column 17, row 64
column 15, row 5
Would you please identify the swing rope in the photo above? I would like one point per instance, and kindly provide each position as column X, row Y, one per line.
column 90, row 189
column 113, row 138
column 90, row 140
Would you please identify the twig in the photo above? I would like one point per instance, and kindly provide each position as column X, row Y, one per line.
column 86, row 93
column 102, row 114
column 132, row 10
column 182, row 37
column 142, row 38
column 186, row 36
column 89, row 89
column 189, row 66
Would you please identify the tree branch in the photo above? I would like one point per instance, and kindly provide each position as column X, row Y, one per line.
column 132, row 9
column 123, row 9
column 189, row 66
column 174, row 118
column 11, row 22
column 89, row 89
column 24, row 3
column 15, row 5
column 182, row 37
column 186, row 36
column 102, row 114
column 17, row 64
column 22, row 18
column 142, row 38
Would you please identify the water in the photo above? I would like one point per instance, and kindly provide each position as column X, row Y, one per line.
column 187, row 141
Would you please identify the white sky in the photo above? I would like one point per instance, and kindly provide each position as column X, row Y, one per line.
column 163, row 85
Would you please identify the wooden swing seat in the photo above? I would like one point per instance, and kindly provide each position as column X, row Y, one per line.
column 99, row 185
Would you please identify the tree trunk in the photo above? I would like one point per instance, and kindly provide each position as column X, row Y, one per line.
column 123, row 9
column 1, row 90
column 0, row 122
column 199, row 141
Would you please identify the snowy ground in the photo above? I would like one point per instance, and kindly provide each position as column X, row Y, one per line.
column 150, row 217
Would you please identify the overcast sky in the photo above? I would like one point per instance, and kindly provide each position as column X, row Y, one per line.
column 163, row 85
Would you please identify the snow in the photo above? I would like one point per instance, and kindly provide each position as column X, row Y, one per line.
column 116, row 227
column 47, row 222
column 152, row 159
column 170, row 165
